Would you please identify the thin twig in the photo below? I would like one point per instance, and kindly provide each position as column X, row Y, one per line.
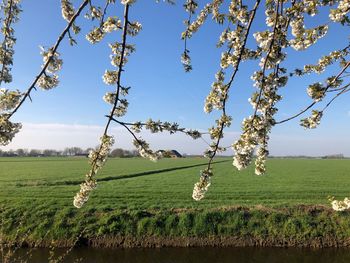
column 313, row 103
column 161, row 126
column 344, row 90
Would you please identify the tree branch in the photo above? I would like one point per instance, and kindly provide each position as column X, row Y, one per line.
column 228, row 86
column 313, row 103
column 58, row 42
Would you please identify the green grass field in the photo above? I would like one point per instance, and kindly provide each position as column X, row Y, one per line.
column 138, row 183
column 137, row 197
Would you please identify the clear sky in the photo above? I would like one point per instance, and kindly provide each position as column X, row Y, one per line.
column 73, row 113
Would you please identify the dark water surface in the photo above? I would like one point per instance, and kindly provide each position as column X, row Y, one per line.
column 198, row 255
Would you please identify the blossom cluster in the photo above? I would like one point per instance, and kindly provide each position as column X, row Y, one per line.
column 111, row 24
column 97, row 159
column 340, row 205
column 256, row 128
column 313, row 121
column 238, row 12
column 52, row 64
column 68, row 13
column 117, row 51
column 9, row 99
column 260, row 161
column 11, row 11
column 128, row 2
column 215, row 7
column 105, row 25
column 201, row 187
column 191, row 6
column 134, row 28
column 221, row 123
column 145, row 151
column 195, row 25
column 245, row 145
column 119, row 56
column 316, row 91
column 218, row 93
column 8, row 129
column 324, row 62
column 67, row 10
column 235, row 40
column 186, row 60
column 339, row 14
column 304, row 38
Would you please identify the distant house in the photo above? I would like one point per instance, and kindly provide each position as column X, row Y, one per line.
column 175, row 154
column 334, row 156
column 170, row 154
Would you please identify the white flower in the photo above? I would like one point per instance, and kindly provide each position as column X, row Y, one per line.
column 47, row 82
column 110, row 77
column 111, row 24
column 95, row 35
column 67, row 10
column 127, row 2
column 201, row 187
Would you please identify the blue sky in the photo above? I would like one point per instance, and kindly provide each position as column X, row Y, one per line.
column 160, row 87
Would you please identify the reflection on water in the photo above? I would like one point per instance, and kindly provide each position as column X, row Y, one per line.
column 199, row 255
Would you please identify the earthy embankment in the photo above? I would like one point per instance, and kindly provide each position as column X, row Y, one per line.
column 299, row 226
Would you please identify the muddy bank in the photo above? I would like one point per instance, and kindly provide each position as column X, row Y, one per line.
column 214, row 241
column 151, row 242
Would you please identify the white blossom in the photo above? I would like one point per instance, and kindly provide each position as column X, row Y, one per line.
column 111, row 24
column 128, row 2
column 9, row 99
column 313, row 121
column 338, row 14
column 8, row 129
column 97, row 159
column 47, row 82
column 110, row 77
column 201, row 187
column 67, row 10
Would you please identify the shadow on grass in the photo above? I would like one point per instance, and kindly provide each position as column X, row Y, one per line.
column 119, row 177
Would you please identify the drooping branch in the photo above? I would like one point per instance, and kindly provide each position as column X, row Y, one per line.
column 190, row 6
column 270, row 48
column 98, row 157
column 223, row 124
column 218, row 98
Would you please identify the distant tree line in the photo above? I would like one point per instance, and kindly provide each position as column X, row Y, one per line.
column 332, row 156
column 68, row 151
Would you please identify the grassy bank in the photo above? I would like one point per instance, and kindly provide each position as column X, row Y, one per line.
column 140, row 203
column 300, row 226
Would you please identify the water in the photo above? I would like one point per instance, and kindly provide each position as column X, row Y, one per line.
column 198, row 255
